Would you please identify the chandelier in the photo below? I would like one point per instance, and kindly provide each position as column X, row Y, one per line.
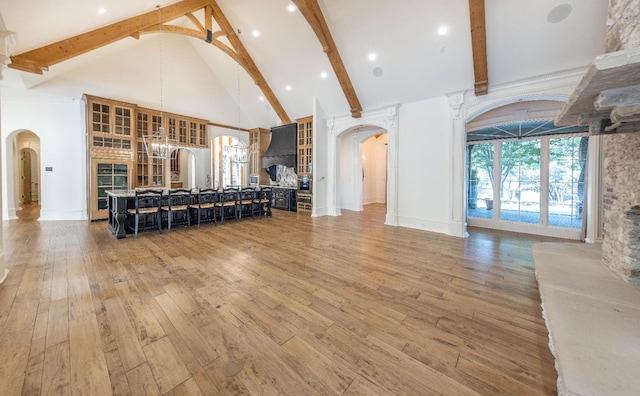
column 238, row 153
column 158, row 145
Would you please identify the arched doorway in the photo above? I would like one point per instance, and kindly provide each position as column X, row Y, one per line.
column 182, row 168
column 29, row 180
column 228, row 160
column 23, row 174
column 362, row 167
column 341, row 132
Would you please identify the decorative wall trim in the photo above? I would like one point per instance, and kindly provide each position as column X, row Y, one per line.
column 386, row 119
column 556, row 87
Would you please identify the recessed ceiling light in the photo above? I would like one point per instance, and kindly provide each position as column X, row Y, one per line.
column 288, row 87
column 291, row 7
column 256, row 33
column 261, row 98
column 372, row 56
column 323, row 74
column 102, row 10
column 378, row 71
column 442, row 30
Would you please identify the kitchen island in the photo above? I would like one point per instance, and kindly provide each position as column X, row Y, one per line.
column 121, row 201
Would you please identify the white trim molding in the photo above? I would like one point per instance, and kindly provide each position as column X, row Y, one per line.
column 386, row 119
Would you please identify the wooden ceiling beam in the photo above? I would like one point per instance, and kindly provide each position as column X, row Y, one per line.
column 311, row 11
column 243, row 57
column 479, row 46
column 39, row 59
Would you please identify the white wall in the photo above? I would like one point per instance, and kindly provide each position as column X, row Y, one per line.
column 59, row 123
column 424, row 162
column 3, row 267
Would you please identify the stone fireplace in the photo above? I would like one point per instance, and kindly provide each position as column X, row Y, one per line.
column 621, row 179
column 608, row 100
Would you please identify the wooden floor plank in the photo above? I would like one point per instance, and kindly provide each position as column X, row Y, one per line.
column 129, row 348
column 56, row 379
column 89, row 374
column 142, row 382
column 331, row 305
column 166, row 365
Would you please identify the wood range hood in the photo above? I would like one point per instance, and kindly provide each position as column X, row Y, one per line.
column 608, row 97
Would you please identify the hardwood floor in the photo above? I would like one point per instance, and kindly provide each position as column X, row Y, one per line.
column 331, row 305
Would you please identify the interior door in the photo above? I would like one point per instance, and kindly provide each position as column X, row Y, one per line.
column 25, row 158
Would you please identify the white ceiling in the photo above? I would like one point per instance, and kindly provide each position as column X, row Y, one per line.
column 200, row 80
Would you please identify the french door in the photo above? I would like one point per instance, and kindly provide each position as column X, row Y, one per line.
column 528, row 185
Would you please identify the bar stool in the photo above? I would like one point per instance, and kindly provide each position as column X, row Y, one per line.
column 262, row 203
column 147, row 209
column 177, row 205
column 205, row 211
column 227, row 203
column 246, row 201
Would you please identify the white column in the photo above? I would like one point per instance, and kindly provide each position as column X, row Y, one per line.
column 390, row 121
column 458, row 213
column 3, row 268
column 332, row 173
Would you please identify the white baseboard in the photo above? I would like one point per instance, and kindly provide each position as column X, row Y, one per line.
column 48, row 215
column 424, row 224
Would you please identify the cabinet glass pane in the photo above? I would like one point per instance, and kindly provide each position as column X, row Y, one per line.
column 120, row 181
column 105, row 180
column 203, row 135
column 105, row 168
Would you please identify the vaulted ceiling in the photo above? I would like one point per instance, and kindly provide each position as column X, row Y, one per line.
column 186, row 74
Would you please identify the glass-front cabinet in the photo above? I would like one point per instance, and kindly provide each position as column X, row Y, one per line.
column 259, row 140
column 108, row 175
column 305, row 165
column 116, row 155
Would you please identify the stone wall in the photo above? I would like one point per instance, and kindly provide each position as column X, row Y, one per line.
column 621, row 181
column 623, row 29
column 621, row 244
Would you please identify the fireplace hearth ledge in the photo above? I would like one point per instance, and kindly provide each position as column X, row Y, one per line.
column 593, row 319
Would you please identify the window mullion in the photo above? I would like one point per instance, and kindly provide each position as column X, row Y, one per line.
column 544, row 181
column 497, row 178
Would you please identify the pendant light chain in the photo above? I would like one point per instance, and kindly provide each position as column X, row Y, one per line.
column 157, row 144
column 238, row 76
column 161, row 128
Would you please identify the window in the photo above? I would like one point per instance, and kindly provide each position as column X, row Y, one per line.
column 520, row 181
column 532, row 181
column 567, row 158
column 227, row 172
column 175, row 161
